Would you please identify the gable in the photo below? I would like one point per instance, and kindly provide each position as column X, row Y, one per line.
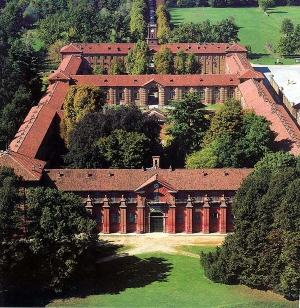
column 156, row 180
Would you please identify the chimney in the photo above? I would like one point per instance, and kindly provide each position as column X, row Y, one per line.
column 155, row 162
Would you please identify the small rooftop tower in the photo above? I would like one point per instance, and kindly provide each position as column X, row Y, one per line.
column 155, row 162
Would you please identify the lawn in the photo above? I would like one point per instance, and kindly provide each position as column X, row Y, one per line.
column 164, row 280
column 256, row 29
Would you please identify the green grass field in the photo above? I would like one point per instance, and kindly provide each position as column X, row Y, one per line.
column 256, row 29
column 164, row 280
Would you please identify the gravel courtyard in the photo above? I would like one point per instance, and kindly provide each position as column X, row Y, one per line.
column 162, row 242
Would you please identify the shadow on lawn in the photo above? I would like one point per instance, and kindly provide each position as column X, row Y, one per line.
column 117, row 275
column 109, row 277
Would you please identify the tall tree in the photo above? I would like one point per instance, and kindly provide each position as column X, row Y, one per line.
column 163, row 27
column 10, row 231
column 83, row 152
column 163, row 61
column 123, row 149
column 137, row 59
column 80, row 100
column 188, row 125
column 187, row 32
column 227, row 120
column 62, row 237
column 192, row 65
column 241, row 141
column 226, row 31
column 287, row 27
column 263, row 250
column 138, row 25
column 179, row 63
column 117, row 66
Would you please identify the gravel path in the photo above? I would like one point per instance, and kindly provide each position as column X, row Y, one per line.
column 161, row 242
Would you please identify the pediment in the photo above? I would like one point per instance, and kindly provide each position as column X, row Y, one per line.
column 152, row 82
column 156, row 179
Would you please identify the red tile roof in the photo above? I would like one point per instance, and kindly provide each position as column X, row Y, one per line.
column 258, row 98
column 69, row 65
column 132, row 179
column 239, row 64
column 97, row 48
column 32, row 132
column 123, row 48
column 204, row 80
column 28, row 168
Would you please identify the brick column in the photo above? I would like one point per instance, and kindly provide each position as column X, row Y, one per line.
column 205, row 226
column 143, row 97
column 223, row 95
column 171, row 218
column 189, row 216
column 208, row 95
column 223, row 212
column 106, row 207
column 141, row 215
column 123, row 222
column 161, row 96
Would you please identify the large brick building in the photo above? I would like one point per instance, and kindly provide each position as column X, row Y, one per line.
column 151, row 199
column 154, row 199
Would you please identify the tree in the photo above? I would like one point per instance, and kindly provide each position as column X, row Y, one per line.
column 192, row 65
column 187, row 32
column 290, row 42
column 205, row 158
column 265, row 4
column 226, row 31
column 99, row 70
column 11, row 245
column 117, row 66
column 123, row 149
column 234, row 139
column 286, row 46
column 179, row 63
column 163, row 61
column 263, row 250
column 79, row 101
column 137, row 59
column 256, row 139
column 187, row 126
column 163, row 27
column 11, row 22
column 138, row 25
column 228, row 120
column 83, row 152
column 62, row 237
column 10, row 215
column 287, row 27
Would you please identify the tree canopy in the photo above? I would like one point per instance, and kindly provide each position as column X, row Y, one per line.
column 124, row 150
column 62, row 237
column 83, row 149
column 138, row 25
column 80, row 100
column 164, row 61
column 137, row 59
column 263, row 250
column 289, row 43
column 235, row 139
column 187, row 125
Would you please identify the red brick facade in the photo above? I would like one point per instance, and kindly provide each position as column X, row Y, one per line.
column 156, row 200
